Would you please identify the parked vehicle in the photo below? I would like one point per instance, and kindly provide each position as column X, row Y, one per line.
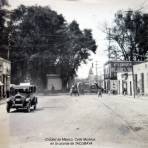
column 84, row 88
column 22, row 97
column 93, row 88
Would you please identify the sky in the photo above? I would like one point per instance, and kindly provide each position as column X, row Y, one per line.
column 91, row 14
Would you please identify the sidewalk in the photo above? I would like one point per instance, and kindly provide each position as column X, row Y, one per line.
column 2, row 101
column 130, row 97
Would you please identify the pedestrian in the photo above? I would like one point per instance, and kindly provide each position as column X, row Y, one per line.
column 71, row 90
column 99, row 92
column 78, row 91
column 7, row 93
column 138, row 91
column 109, row 92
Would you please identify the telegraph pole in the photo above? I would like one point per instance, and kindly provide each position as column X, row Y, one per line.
column 97, row 71
column 109, row 39
column 133, row 77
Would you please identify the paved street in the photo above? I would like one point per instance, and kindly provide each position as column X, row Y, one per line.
column 108, row 122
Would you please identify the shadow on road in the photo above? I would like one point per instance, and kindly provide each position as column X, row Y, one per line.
column 23, row 111
column 37, row 110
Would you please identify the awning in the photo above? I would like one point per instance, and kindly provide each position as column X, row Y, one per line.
column 1, row 84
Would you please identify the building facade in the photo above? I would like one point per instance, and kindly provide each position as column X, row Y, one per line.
column 140, row 85
column 141, row 78
column 111, row 69
column 54, row 82
column 5, row 71
column 125, row 83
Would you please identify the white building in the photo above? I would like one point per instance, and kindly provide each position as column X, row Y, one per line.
column 141, row 77
column 5, row 69
column 125, row 80
column 54, row 82
column 125, row 83
column 111, row 70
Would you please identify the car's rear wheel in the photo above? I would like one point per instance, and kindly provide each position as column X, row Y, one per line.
column 34, row 107
column 8, row 108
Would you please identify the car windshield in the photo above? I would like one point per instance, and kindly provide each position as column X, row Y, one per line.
column 14, row 91
column 21, row 91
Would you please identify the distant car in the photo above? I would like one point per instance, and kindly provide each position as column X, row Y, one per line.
column 84, row 88
column 22, row 97
column 93, row 88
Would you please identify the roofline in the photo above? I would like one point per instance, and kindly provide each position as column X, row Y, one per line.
column 117, row 61
column 2, row 59
column 144, row 62
column 20, row 86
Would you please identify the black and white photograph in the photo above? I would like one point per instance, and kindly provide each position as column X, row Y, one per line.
column 73, row 74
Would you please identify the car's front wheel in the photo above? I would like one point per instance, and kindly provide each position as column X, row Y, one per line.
column 28, row 107
column 8, row 108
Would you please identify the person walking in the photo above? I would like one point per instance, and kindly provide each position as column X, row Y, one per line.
column 100, row 92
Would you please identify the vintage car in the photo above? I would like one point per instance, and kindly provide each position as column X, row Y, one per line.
column 22, row 97
column 93, row 88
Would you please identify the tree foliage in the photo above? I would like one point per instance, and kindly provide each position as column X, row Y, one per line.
column 42, row 42
column 129, row 33
column 3, row 2
column 3, row 29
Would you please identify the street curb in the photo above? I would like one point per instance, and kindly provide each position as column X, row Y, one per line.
column 136, row 98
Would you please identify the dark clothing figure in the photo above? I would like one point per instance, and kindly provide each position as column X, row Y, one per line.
column 124, row 91
column 138, row 91
column 52, row 88
column 74, row 90
column 99, row 92
column 7, row 93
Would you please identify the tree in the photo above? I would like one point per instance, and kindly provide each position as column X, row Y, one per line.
column 78, row 48
column 131, row 35
column 3, row 2
column 41, row 42
column 3, row 29
column 32, row 40
column 143, row 38
column 128, row 34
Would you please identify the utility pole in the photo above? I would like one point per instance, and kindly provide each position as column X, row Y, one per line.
column 109, row 39
column 133, row 77
column 8, row 54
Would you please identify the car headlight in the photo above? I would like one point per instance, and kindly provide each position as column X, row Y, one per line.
column 9, row 99
column 27, row 99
